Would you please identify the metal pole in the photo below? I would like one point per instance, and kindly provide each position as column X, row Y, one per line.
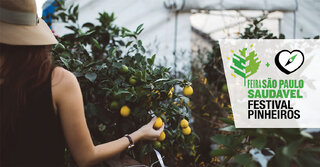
column 295, row 20
column 175, row 42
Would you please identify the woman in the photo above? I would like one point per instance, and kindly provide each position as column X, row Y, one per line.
column 41, row 106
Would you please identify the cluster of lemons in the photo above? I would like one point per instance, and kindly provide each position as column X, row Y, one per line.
column 157, row 125
column 125, row 110
column 184, row 124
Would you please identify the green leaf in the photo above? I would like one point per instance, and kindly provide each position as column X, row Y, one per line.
column 139, row 43
column 143, row 50
column 73, row 28
column 309, row 159
column 291, row 149
column 75, row 10
column 65, row 62
column 222, row 152
column 114, row 51
column 259, row 142
column 95, row 43
column 121, row 92
column 231, row 128
column 88, row 25
column 161, row 80
column 78, row 74
column 317, row 149
column 90, row 107
column 244, row 159
column 224, row 140
column 91, row 76
column 129, row 43
column 306, row 135
column 227, row 121
column 151, row 60
column 139, row 29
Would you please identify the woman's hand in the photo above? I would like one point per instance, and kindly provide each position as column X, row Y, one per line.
column 147, row 131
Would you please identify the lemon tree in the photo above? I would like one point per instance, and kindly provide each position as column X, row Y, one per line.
column 123, row 88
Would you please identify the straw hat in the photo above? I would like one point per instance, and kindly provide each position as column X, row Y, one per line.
column 20, row 25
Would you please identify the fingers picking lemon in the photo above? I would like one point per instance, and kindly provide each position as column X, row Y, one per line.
column 186, row 131
column 184, row 123
column 162, row 136
column 125, row 111
column 158, row 123
column 188, row 90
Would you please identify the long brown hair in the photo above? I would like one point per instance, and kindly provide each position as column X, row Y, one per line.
column 22, row 69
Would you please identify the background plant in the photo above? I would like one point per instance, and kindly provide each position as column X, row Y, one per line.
column 106, row 59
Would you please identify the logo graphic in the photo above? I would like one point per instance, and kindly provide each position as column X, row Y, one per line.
column 289, row 62
column 245, row 65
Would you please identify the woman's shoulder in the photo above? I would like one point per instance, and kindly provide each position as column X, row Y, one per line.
column 63, row 84
column 63, row 80
column 61, row 76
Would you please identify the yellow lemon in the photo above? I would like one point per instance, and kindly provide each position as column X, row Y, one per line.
column 186, row 131
column 125, row 111
column 158, row 123
column 184, row 123
column 157, row 92
column 172, row 89
column 170, row 94
column 187, row 90
column 162, row 136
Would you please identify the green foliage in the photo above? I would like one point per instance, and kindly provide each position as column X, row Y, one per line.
column 255, row 31
column 290, row 146
column 112, row 69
